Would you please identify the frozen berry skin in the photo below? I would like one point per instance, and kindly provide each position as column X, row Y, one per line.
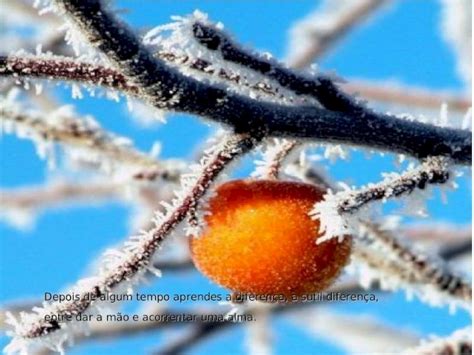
column 260, row 240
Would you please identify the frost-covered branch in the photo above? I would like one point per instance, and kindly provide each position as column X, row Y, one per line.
column 400, row 266
column 320, row 87
column 408, row 96
column 396, row 265
column 312, row 36
column 70, row 69
column 64, row 68
column 51, row 67
column 434, row 170
column 338, row 210
column 82, row 136
column 19, row 206
column 166, row 88
column 458, row 343
column 276, row 152
column 122, row 269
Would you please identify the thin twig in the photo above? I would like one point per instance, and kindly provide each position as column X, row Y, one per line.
column 321, row 37
column 64, row 127
column 65, row 68
column 411, row 267
column 404, row 264
column 37, row 197
column 276, row 152
column 337, row 211
column 405, row 95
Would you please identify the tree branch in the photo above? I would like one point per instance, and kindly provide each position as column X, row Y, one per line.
column 458, row 343
column 165, row 87
column 409, row 96
column 65, row 68
column 323, row 28
column 384, row 253
column 128, row 265
column 392, row 259
column 338, row 210
column 62, row 126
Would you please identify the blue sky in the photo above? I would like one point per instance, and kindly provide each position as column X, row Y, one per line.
column 403, row 44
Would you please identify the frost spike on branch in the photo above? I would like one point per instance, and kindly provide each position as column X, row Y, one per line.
column 337, row 211
column 62, row 126
column 75, row 132
column 406, row 265
column 164, row 87
column 387, row 256
column 136, row 258
column 276, row 152
column 68, row 69
column 65, row 68
column 319, row 87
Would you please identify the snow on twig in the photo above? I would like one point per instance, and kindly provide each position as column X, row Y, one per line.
column 339, row 213
column 122, row 269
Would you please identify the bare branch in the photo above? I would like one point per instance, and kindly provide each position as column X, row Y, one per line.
column 62, row 126
column 392, row 259
column 164, row 87
column 126, row 267
column 321, row 29
column 403, row 95
column 56, row 192
column 458, row 343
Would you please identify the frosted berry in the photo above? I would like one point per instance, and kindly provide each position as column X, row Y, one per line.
column 260, row 240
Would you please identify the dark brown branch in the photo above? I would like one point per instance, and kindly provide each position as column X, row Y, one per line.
column 165, row 87
column 65, row 68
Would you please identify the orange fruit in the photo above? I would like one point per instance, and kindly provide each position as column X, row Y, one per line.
column 260, row 240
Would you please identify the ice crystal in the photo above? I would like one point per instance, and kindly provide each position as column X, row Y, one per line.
column 176, row 40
